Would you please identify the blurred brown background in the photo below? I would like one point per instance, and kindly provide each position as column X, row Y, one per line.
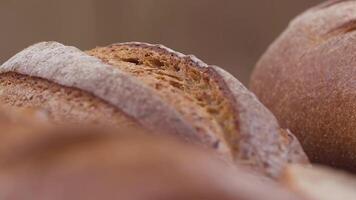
column 229, row 33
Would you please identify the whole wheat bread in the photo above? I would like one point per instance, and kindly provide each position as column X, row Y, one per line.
column 153, row 87
column 307, row 79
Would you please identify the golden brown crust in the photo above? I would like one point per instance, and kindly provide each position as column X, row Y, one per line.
column 72, row 68
column 190, row 92
column 256, row 139
column 243, row 127
column 307, row 79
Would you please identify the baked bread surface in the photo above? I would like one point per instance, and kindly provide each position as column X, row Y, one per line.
column 307, row 79
column 153, row 87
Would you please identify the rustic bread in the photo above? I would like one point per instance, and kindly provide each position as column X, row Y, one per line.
column 307, row 79
column 94, row 165
column 153, row 87
column 320, row 183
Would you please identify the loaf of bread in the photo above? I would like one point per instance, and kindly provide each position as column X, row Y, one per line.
column 307, row 79
column 153, row 87
column 89, row 165
column 320, row 183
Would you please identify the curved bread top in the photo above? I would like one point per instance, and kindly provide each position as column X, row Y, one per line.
column 260, row 140
column 71, row 67
column 259, row 127
column 307, row 78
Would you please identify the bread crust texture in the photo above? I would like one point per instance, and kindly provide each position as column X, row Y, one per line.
column 307, row 79
column 241, row 127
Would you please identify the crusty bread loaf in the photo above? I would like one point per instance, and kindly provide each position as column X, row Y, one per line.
column 320, row 183
column 307, row 79
column 153, row 87
column 90, row 165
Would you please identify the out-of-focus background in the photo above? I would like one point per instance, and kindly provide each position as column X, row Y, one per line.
column 230, row 33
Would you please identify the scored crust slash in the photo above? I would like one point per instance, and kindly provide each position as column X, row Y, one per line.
column 151, row 87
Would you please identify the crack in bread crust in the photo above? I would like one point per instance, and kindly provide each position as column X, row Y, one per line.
column 189, row 86
column 250, row 130
column 163, row 91
column 70, row 67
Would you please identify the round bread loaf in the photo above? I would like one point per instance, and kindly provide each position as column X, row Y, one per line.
column 153, row 87
column 307, row 78
column 90, row 165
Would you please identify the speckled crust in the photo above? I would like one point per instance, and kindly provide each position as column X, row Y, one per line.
column 307, row 79
column 261, row 143
column 90, row 165
column 68, row 66
column 261, row 138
